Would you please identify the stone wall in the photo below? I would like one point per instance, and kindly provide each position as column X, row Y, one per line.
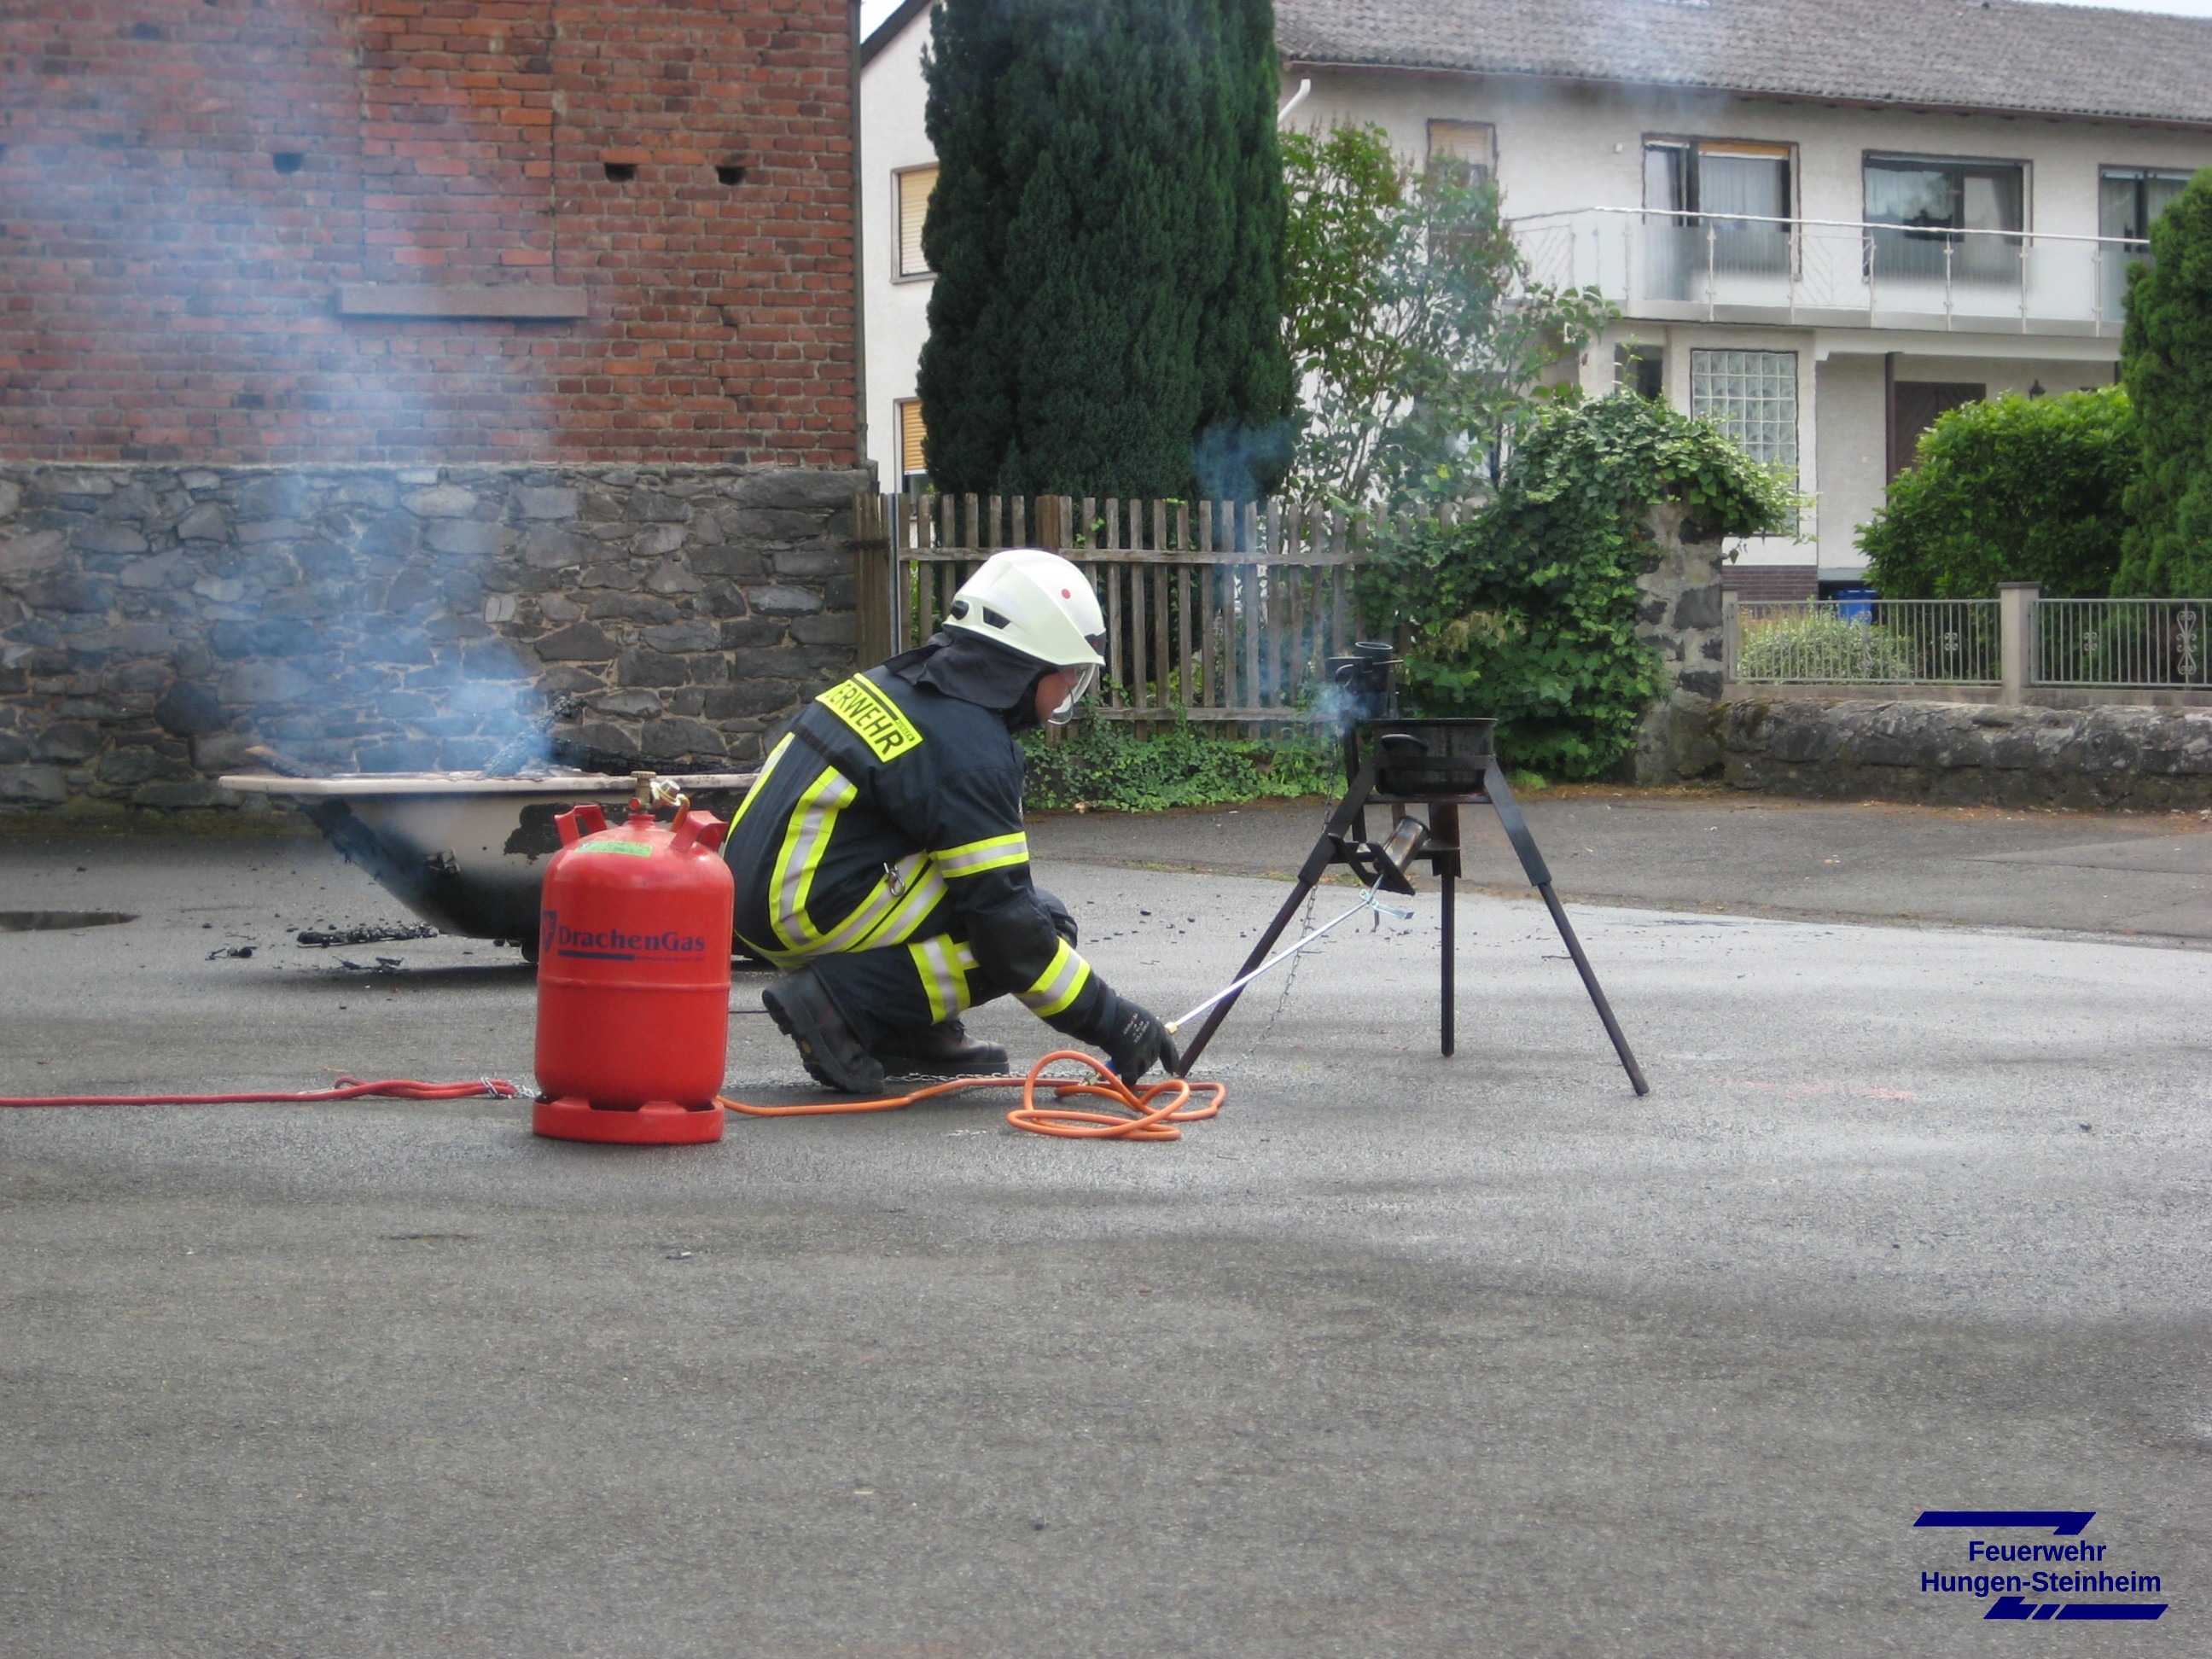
column 1679, row 616
column 1970, row 754
column 156, row 621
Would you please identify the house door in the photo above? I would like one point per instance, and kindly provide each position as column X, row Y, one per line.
column 1913, row 407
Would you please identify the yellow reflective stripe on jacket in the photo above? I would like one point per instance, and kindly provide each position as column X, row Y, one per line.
column 911, row 912
column 759, row 779
column 977, row 856
column 1060, row 983
column 944, row 966
column 804, row 839
column 908, row 884
column 899, row 904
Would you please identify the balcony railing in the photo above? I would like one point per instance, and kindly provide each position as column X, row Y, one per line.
column 1737, row 267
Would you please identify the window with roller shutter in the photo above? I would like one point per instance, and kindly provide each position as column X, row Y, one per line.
column 915, row 184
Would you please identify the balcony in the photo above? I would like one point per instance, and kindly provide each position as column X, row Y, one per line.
column 1691, row 267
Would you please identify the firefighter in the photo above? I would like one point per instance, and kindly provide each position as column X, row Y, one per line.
column 880, row 860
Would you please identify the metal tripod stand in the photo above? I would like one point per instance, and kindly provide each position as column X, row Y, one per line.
column 1344, row 841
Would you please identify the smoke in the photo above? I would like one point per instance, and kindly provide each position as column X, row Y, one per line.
column 1233, row 463
column 343, row 615
column 1334, row 710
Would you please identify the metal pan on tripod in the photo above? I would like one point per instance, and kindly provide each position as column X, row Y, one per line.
column 1428, row 759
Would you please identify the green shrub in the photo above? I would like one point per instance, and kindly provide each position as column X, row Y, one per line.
column 1528, row 611
column 2166, row 358
column 2017, row 489
column 1102, row 763
column 1820, row 645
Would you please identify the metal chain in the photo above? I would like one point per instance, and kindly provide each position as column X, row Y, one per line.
column 1283, row 1001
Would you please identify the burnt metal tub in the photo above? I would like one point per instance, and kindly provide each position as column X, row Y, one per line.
column 464, row 852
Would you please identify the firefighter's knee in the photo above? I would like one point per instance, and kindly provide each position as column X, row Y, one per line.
column 1014, row 945
column 1062, row 919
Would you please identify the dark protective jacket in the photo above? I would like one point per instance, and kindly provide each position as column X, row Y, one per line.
column 890, row 814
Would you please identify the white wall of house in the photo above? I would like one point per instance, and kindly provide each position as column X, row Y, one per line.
column 892, row 139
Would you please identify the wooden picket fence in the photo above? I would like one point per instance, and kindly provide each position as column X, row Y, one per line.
column 1222, row 609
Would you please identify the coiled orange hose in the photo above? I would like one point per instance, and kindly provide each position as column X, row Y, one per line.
column 1148, row 1113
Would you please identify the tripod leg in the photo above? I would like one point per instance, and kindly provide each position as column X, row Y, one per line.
column 1259, row 955
column 1443, row 824
column 1516, row 827
column 1450, row 1038
column 1540, row 878
column 1596, row 992
column 1309, row 875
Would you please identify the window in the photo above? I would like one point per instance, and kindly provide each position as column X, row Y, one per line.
column 1717, row 210
column 1753, row 396
column 1641, row 369
column 1956, row 220
column 1720, row 176
column 914, row 186
column 914, row 470
column 1467, row 148
column 1913, row 407
column 2129, row 198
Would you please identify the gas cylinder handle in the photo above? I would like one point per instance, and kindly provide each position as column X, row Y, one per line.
column 703, row 828
column 579, row 821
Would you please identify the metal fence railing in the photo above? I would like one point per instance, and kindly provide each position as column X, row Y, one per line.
column 2131, row 643
column 1864, row 641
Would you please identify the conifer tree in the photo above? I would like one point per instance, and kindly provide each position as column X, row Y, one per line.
column 2166, row 361
column 1107, row 235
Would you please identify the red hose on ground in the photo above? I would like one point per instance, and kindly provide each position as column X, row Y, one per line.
column 347, row 1088
column 1135, row 1116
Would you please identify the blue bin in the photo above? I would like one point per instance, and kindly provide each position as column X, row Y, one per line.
column 1856, row 604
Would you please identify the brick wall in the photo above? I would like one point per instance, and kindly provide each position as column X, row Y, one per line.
column 188, row 186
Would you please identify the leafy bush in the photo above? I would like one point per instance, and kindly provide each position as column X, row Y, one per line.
column 2166, row 358
column 1103, row 763
column 2017, row 489
column 1820, row 645
column 1528, row 611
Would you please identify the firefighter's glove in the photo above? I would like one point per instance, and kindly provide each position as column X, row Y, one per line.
column 1135, row 1041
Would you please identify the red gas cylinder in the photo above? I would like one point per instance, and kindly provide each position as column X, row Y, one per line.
column 633, row 979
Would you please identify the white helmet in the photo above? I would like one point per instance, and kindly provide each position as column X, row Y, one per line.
column 1038, row 603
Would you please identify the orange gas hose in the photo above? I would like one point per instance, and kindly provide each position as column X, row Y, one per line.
column 1147, row 1113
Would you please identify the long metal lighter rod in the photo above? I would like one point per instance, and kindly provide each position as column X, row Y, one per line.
column 1367, row 902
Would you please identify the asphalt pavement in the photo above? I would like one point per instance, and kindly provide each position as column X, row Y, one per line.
column 2127, row 873
column 1400, row 1355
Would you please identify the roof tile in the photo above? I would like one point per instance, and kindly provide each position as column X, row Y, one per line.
column 1947, row 54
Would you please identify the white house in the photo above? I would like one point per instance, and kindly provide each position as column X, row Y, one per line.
column 1822, row 221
